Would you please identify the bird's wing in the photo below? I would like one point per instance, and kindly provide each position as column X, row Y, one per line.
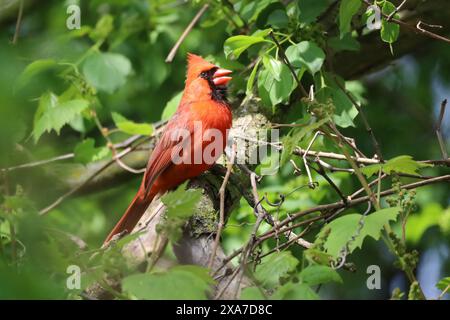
column 161, row 157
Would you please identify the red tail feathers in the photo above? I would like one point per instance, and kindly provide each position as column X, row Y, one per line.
column 131, row 217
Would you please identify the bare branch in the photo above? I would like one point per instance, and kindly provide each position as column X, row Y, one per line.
column 439, row 133
column 185, row 33
column 397, row 9
column 222, row 205
column 39, row 163
column 322, row 172
column 361, row 160
column 87, row 181
column 350, row 203
column 18, row 23
column 364, row 119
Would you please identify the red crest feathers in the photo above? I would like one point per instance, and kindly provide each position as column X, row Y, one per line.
column 196, row 65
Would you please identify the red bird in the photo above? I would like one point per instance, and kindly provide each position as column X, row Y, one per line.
column 176, row 160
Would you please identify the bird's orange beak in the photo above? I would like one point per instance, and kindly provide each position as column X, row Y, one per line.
column 220, row 77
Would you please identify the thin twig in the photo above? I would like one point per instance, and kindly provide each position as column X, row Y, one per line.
column 311, row 183
column 251, row 242
column 222, row 205
column 259, row 210
column 291, row 240
column 444, row 292
column 350, row 203
column 364, row 119
column 225, row 287
column 371, row 184
column 249, row 245
column 284, row 227
column 105, row 133
column 367, row 161
column 39, row 163
column 185, row 33
column 289, row 65
column 18, row 23
column 69, row 193
column 276, row 145
column 322, row 172
column 332, row 168
column 119, row 145
column 439, row 133
column 340, row 141
column 396, row 10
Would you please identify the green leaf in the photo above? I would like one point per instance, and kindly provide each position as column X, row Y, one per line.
column 347, row 42
column 295, row 136
column 372, row 169
column 318, row 274
column 317, row 256
column 273, row 65
column 278, row 19
column 255, row 8
column 273, row 92
column 252, row 293
column 251, row 78
column 389, row 30
column 234, row 46
column 122, row 242
column 262, row 33
column 180, row 206
column 86, row 152
column 53, row 115
column 263, row 18
column 418, row 224
column 347, row 10
column 252, row 10
column 443, row 284
column 400, row 164
column 78, row 33
column 342, row 229
column 404, row 164
column 103, row 28
column 131, row 127
column 180, row 203
column 344, row 112
column 295, row 291
column 309, row 10
column 179, row 283
column 274, row 267
column 171, row 106
column 106, row 71
column 306, row 54
column 33, row 69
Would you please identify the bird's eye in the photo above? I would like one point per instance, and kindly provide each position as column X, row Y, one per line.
column 204, row 74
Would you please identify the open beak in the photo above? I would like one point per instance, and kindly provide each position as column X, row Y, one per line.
column 220, row 77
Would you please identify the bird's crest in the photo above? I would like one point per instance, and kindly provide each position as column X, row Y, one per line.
column 196, row 65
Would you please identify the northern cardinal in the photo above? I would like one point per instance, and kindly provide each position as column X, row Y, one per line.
column 176, row 160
